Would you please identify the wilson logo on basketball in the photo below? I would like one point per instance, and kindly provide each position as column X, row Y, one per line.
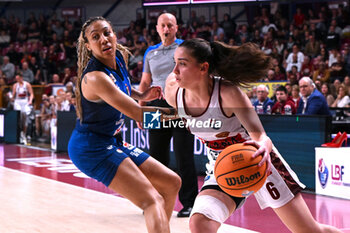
column 232, row 181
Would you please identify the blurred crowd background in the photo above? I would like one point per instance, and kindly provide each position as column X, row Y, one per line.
column 312, row 43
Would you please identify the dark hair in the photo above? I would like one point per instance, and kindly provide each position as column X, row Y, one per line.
column 19, row 73
column 281, row 88
column 240, row 65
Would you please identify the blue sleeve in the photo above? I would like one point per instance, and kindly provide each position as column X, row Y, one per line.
column 300, row 106
column 314, row 106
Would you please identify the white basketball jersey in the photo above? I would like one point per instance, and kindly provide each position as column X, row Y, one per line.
column 220, row 126
column 21, row 91
column 213, row 127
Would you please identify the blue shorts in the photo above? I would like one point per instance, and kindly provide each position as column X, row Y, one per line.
column 99, row 156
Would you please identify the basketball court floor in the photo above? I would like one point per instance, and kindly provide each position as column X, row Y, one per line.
column 42, row 191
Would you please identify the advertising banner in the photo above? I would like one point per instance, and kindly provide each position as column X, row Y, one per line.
column 332, row 172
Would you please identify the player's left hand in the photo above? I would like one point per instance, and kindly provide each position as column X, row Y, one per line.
column 263, row 149
column 152, row 93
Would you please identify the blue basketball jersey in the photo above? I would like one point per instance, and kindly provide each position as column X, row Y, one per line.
column 100, row 117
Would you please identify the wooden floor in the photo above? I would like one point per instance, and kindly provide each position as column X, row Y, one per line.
column 42, row 191
column 34, row 204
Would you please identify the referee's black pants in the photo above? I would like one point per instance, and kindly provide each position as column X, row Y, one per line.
column 183, row 141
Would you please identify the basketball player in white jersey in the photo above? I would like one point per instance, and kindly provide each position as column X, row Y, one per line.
column 197, row 94
column 22, row 93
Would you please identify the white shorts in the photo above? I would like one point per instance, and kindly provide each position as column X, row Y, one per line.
column 21, row 105
column 280, row 187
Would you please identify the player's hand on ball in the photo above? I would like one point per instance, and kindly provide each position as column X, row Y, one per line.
column 264, row 150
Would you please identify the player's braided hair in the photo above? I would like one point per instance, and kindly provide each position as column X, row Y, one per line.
column 240, row 65
column 84, row 56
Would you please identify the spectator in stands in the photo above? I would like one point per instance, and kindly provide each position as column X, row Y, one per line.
column 279, row 46
column 47, row 35
column 343, row 99
column 307, row 67
column 55, row 80
column 22, row 33
column 42, row 120
column 346, row 83
column 216, row 30
column 257, row 39
column 322, row 73
column 332, row 38
column 263, row 104
column 252, row 94
column 298, row 53
column 326, row 92
column 13, row 55
column 298, row 18
column 70, row 86
column 70, row 102
column 243, row 33
column 312, row 102
column 58, row 29
column 204, row 32
column 4, row 39
column 337, row 29
column 33, row 33
column 59, row 104
column 289, row 44
column 193, row 18
column 121, row 37
column 264, row 13
column 136, row 73
column 295, row 94
column 332, row 58
column 294, row 62
column 135, row 58
column 324, row 55
column 267, row 26
column 229, row 26
column 336, row 84
column 140, row 21
column 267, row 44
column 27, row 73
column 346, row 54
column 31, row 19
column 320, row 23
column 67, row 75
column 69, row 44
column 34, row 66
column 270, row 75
column 8, row 69
column 312, row 47
column 284, row 105
column 337, row 70
column 293, row 75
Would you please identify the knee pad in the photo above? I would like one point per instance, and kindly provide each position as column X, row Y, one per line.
column 211, row 207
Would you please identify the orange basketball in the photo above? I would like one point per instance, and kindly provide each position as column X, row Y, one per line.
column 237, row 173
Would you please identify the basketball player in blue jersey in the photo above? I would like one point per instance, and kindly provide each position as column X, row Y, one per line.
column 198, row 95
column 104, row 96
